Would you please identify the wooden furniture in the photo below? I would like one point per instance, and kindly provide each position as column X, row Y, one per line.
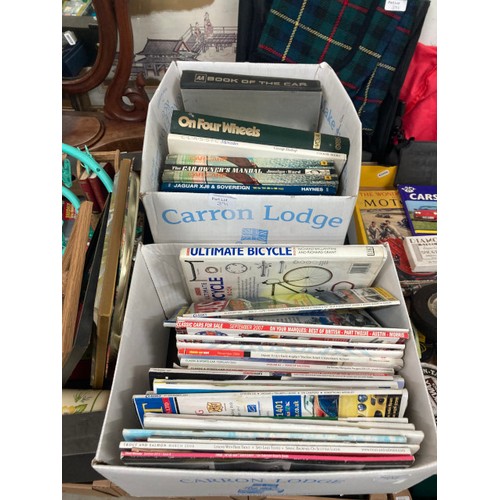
column 120, row 124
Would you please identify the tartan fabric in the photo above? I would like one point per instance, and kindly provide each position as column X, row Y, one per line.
column 359, row 39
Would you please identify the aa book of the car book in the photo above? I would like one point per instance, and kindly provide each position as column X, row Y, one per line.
column 273, row 100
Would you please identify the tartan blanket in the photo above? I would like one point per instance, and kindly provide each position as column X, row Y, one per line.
column 359, row 39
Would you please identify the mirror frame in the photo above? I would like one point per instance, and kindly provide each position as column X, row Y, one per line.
column 114, row 23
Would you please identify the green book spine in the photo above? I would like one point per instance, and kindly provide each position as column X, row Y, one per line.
column 214, row 127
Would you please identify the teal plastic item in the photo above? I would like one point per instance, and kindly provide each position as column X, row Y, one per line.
column 89, row 162
column 71, row 197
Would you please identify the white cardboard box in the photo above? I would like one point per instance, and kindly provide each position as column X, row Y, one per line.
column 233, row 219
column 156, row 290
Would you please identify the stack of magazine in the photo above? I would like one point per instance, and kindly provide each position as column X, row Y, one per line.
column 305, row 380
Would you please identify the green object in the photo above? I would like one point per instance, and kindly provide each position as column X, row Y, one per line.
column 425, row 490
column 255, row 133
column 67, row 178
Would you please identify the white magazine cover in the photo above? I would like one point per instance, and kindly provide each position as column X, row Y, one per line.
column 223, row 272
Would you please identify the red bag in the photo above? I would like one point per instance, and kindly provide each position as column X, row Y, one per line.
column 419, row 93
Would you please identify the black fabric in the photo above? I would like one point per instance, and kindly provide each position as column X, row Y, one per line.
column 251, row 19
column 378, row 143
column 417, row 163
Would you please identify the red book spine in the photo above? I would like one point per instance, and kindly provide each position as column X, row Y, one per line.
column 84, row 182
column 100, row 191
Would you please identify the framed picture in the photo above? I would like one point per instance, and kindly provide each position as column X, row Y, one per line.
column 187, row 30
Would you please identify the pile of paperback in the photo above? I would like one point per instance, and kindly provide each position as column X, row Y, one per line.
column 304, row 379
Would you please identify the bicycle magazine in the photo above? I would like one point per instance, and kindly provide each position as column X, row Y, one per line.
column 225, row 272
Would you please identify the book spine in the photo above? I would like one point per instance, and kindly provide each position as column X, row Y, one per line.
column 100, row 191
column 266, row 175
column 290, row 366
column 142, row 434
column 204, row 80
column 204, row 337
column 287, row 309
column 333, row 458
column 186, row 187
column 245, row 162
column 275, row 329
column 259, row 355
column 267, row 446
column 192, row 144
column 86, row 187
column 259, row 133
column 237, row 350
column 327, row 254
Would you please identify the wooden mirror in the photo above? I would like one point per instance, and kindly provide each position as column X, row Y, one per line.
column 123, row 102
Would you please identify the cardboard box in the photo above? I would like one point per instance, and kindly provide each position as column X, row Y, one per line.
column 374, row 175
column 156, row 291
column 246, row 218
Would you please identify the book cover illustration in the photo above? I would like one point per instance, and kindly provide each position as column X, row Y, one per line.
column 420, row 205
column 422, row 252
column 365, row 297
column 380, row 218
column 216, row 273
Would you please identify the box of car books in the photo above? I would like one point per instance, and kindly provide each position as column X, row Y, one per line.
column 207, row 216
column 157, row 292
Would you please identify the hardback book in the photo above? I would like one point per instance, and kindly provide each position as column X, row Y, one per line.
column 420, row 205
column 191, row 144
column 248, row 138
column 246, row 165
column 422, row 253
column 379, row 217
column 287, row 102
column 100, row 191
column 324, row 181
column 214, row 273
column 294, row 303
column 266, row 188
column 286, row 404
column 84, row 182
